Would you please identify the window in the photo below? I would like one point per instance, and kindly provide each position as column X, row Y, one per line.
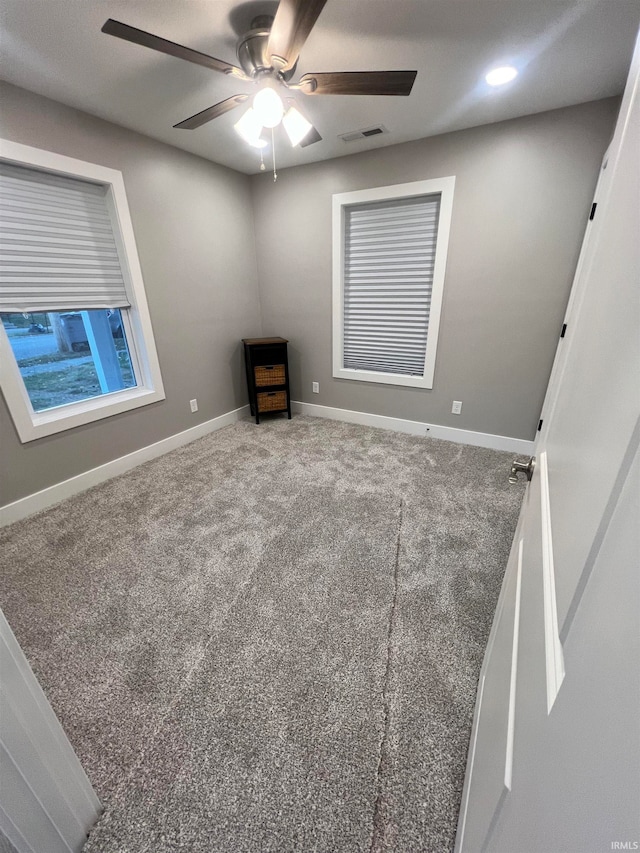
column 76, row 343
column 390, row 252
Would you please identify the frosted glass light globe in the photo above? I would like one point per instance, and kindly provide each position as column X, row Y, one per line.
column 500, row 76
column 296, row 125
column 249, row 128
column 268, row 107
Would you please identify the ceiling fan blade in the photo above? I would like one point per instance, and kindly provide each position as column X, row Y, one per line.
column 293, row 22
column 357, row 83
column 132, row 34
column 310, row 138
column 210, row 113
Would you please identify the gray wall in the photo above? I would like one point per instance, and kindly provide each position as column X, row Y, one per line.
column 194, row 230
column 523, row 193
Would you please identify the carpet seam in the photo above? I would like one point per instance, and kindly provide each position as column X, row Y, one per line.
column 379, row 817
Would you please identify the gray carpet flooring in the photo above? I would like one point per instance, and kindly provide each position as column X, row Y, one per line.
column 270, row 639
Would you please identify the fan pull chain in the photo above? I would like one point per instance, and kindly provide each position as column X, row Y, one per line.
column 273, row 154
column 262, row 166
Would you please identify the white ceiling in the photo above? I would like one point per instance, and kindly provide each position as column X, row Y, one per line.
column 568, row 52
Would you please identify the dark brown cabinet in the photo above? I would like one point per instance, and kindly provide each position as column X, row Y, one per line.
column 267, row 375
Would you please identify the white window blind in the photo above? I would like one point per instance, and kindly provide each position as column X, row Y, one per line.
column 389, row 252
column 57, row 247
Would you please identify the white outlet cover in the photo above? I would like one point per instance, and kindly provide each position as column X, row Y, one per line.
column 315, row 387
column 456, row 408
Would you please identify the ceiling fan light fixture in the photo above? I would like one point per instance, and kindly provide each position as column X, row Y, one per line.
column 249, row 127
column 268, row 107
column 500, row 76
column 296, row 125
column 268, row 56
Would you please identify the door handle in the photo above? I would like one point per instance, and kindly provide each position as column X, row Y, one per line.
column 527, row 468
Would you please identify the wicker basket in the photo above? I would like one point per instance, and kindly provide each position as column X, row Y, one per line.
column 272, row 374
column 272, row 401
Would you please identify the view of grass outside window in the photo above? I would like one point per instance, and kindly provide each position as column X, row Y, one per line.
column 70, row 356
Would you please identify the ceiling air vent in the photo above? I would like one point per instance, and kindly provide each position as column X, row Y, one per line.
column 363, row 134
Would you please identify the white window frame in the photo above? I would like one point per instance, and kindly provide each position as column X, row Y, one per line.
column 136, row 320
column 442, row 186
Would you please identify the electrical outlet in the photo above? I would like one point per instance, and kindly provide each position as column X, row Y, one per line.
column 194, row 405
column 315, row 387
column 457, row 407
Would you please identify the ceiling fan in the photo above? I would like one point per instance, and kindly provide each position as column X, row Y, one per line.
column 268, row 55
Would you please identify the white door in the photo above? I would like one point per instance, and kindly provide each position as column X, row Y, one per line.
column 554, row 759
column 47, row 804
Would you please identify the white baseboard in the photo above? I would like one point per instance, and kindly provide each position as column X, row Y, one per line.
column 60, row 491
column 67, row 488
column 461, row 436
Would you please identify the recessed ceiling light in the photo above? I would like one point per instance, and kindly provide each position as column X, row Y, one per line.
column 499, row 76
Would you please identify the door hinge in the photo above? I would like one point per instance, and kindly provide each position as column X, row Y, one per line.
column 539, row 424
column 593, row 210
column 564, row 329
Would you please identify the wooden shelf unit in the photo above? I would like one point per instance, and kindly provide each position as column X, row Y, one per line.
column 267, row 369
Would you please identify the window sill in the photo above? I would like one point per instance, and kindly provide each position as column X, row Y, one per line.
column 36, row 425
column 384, row 378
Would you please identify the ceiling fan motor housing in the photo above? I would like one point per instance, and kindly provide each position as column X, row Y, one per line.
column 252, row 47
column 252, row 51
